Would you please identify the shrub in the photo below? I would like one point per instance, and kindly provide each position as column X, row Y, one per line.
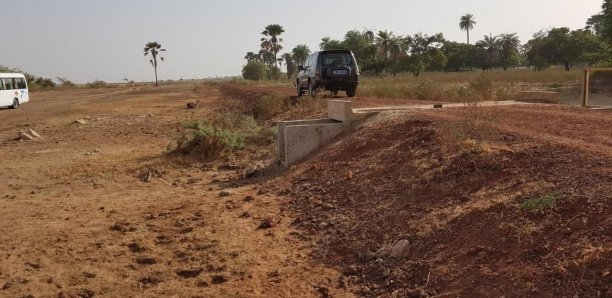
column 483, row 87
column 427, row 90
column 255, row 71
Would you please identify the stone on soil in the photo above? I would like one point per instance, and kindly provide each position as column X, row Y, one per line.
column 400, row 249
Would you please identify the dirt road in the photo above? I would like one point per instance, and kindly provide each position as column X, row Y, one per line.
column 77, row 220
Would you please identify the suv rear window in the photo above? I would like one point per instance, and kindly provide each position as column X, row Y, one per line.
column 331, row 59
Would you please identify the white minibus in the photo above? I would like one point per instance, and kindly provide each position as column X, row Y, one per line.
column 13, row 90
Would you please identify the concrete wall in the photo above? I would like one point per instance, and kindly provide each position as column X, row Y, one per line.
column 297, row 139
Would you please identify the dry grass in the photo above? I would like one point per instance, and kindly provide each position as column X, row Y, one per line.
column 455, row 86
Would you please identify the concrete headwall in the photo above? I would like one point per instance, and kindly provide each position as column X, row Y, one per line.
column 297, row 139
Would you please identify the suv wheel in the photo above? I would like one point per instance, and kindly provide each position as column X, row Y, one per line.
column 350, row 92
column 311, row 89
column 298, row 89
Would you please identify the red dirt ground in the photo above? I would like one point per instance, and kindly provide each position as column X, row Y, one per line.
column 460, row 208
column 79, row 218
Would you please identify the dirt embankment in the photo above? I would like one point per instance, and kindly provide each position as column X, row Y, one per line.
column 524, row 213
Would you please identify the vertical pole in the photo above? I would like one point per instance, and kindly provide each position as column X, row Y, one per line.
column 585, row 88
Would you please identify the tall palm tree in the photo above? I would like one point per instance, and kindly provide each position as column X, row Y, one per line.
column 324, row 42
column 300, row 53
column 289, row 63
column 466, row 23
column 154, row 49
column 272, row 33
column 382, row 40
column 397, row 45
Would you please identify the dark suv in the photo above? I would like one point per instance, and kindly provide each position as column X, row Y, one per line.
column 332, row 70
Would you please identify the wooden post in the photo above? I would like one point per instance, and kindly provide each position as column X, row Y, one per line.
column 585, row 88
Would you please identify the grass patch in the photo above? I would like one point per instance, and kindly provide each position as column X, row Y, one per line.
column 540, row 203
column 225, row 134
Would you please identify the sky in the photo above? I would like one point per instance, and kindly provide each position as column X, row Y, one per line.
column 85, row 40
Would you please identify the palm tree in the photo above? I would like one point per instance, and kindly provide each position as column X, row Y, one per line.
column 382, row 40
column 491, row 44
column 466, row 23
column 509, row 44
column 369, row 35
column 300, row 53
column 324, row 42
column 397, row 45
column 272, row 33
column 154, row 48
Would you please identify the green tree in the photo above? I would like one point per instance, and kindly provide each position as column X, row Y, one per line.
column 154, row 49
column 331, row 44
column 300, row 53
column 255, row 71
column 606, row 22
column 424, row 53
column 509, row 50
column 536, row 51
column 250, row 56
column 568, row 47
column 361, row 45
column 383, row 39
column 272, row 41
column 324, row 42
column 466, row 23
column 459, row 55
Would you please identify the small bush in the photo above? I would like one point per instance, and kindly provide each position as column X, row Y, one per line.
column 97, row 84
column 255, row 71
column 539, row 203
column 225, row 134
column 209, row 141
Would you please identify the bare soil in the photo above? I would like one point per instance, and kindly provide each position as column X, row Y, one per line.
column 78, row 218
column 101, row 209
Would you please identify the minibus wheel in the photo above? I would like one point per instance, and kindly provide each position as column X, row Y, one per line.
column 15, row 103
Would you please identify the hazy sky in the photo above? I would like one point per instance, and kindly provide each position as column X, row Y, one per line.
column 85, row 40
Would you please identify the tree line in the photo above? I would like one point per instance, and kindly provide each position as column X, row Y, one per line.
column 386, row 52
